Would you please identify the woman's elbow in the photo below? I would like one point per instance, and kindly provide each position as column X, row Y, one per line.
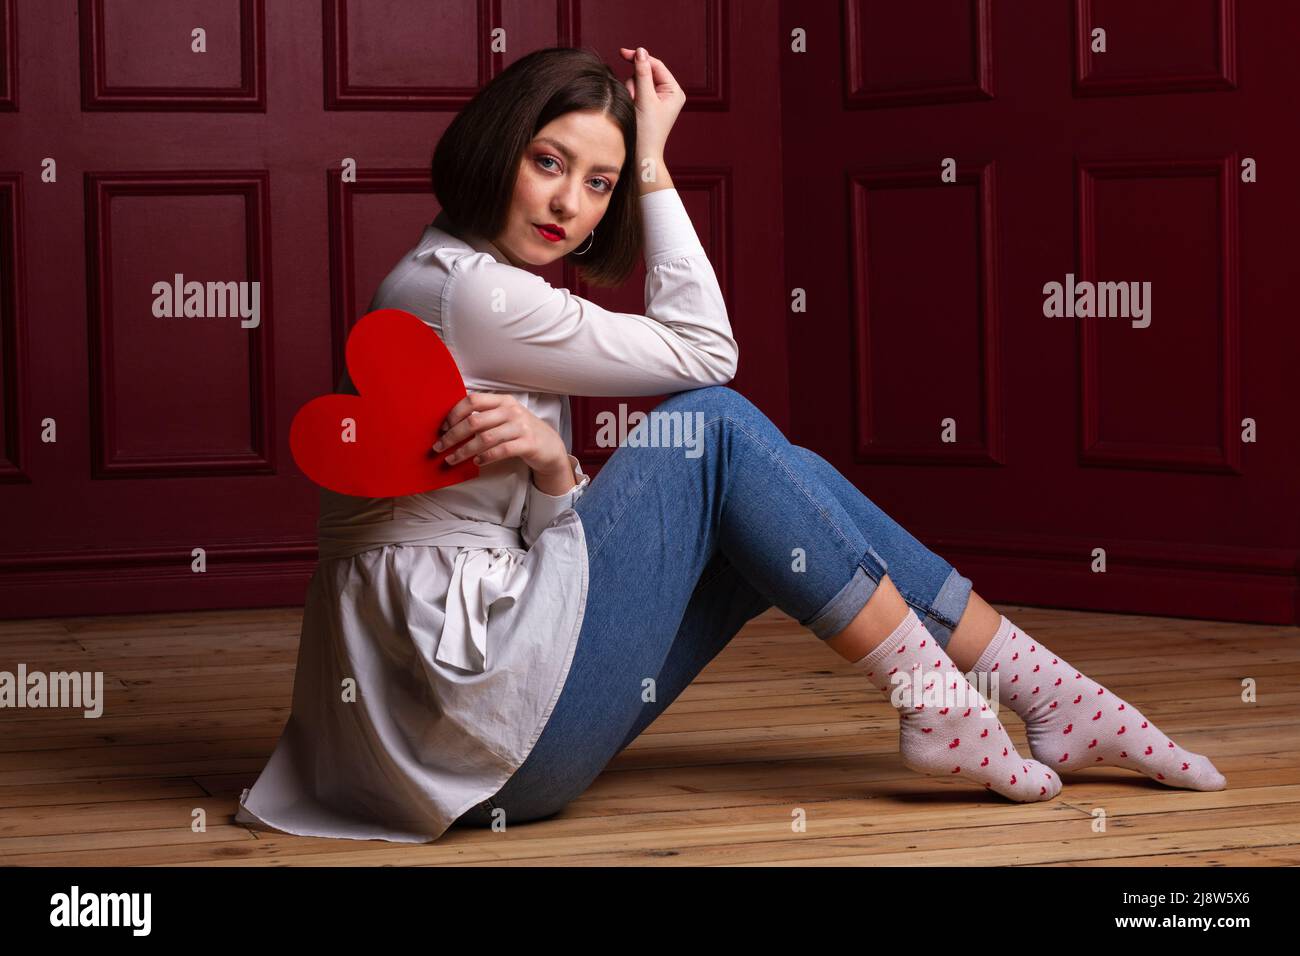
column 727, row 365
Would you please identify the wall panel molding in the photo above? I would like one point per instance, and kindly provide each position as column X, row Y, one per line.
column 1095, row 449
column 867, row 447
column 341, row 93
column 1222, row 76
column 979, row 85
column 101, row 189
column 249, row 96
column 13, row 339
column 8, row 56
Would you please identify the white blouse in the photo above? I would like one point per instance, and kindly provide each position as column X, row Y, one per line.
column 439, row 627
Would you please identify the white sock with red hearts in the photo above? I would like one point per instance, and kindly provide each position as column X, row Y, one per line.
column 962, row 740
column 1072, row 722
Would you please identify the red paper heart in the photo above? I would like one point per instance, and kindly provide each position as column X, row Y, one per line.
column 408, row 382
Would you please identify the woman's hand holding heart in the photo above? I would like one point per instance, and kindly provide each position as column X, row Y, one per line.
column 494, row 426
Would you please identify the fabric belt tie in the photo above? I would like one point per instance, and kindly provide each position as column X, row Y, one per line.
column 480, row 576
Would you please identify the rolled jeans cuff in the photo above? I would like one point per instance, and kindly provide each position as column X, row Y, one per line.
column 840, row 611
column 946, row 610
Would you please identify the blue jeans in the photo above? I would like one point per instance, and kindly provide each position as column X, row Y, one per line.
column 682, row 552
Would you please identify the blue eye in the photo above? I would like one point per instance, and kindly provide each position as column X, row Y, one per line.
column 608, row 185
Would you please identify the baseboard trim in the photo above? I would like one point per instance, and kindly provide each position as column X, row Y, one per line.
column 1211, row 582
column 146, row 580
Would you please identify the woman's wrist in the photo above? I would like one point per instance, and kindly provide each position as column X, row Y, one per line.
column 555, row 480
column 652, row 174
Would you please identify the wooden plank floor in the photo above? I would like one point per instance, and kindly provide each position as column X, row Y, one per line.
column 195, row 703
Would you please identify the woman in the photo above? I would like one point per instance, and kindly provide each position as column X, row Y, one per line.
column 479, row 653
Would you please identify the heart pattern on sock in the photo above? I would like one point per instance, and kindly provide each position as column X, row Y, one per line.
column 958, row 742
column 1073, row 723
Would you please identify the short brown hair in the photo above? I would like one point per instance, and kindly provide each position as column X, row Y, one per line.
column 477, row 159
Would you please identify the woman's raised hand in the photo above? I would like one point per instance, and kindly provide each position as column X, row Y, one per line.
column 658, row 99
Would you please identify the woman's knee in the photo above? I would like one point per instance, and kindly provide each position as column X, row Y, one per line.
column 807, row 454
column 713, row 399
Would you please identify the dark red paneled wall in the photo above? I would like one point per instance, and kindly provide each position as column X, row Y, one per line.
column 889, row 318
column 1021, row 446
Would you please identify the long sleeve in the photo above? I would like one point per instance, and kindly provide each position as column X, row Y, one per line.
column 511, row 330
column 540, row 509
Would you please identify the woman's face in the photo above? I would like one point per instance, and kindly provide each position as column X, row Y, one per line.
column 566, row 177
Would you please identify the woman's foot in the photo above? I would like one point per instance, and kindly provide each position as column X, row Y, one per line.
column 955, row 735
column 1072, row 722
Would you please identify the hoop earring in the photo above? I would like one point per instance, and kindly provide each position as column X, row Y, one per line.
column 590, row 240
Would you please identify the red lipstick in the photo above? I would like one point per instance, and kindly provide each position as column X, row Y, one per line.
column 550, row 232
